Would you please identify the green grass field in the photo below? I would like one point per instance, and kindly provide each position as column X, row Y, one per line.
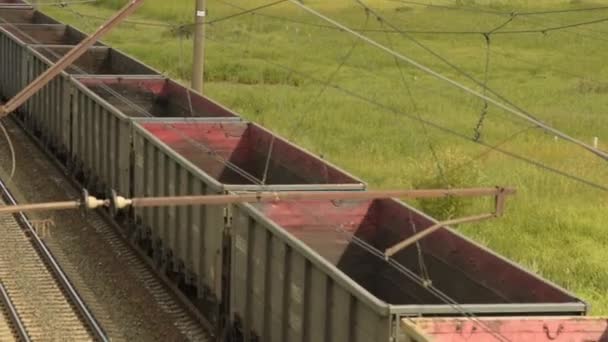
column 554, row 226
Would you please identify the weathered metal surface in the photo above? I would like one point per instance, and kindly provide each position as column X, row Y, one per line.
column 153, row 97
column 182, row 157
column 102, row 108
column 45, row 111
column 515, row 329
column 69, row 58
column 210, row 146
column 96, row 60
column 12, row 64
column 51, row 111
column 45, row 34
column 292, row 258
column 24, row 15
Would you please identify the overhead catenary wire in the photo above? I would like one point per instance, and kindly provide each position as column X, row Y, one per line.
column 424, row 280
column 549, row 67
column 63, row 3
column 484, row 10
column 490, row 147
column 299, row 120
column 428, row 286
column 454, row 83
column 484, row 111
column 213, row 154
column 444, row 129
column 455, row 67
column 416, row 111
column 254, row 11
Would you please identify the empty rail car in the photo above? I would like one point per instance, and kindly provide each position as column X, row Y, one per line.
column 285, row 271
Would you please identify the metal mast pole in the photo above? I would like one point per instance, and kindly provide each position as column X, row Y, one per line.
column 198, row 62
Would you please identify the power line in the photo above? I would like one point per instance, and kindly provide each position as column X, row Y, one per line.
column 557, row 70
column 300, row 120
column 447, row 62
column 459, row 8
column 522, row 15
column 483, row 10
column 450, row 131
column 231, row 166
column 554, row 28
column 423, row 283
column 447, row 130
column 454, row 83
column 132, row 22
column 584, row 9
column 241, row 13
column 254, row 10
column 425, row 131
column 63, row 3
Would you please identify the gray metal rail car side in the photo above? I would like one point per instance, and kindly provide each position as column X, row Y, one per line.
column 99, row 142
column 192, row 239
column 12, row 65
column 13, row 51
column 49, row 111
column 298, row 276
column 44, row 111
column 24, row 15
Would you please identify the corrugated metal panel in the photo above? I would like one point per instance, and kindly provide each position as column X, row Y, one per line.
column 12, row 79
column 47, row 111
column 164, row 160
column 201, row 252
column 103, row 111
column 281, row 292
column 363, row 292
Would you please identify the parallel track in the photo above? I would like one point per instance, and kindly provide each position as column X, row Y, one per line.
column 38, row 301
column 187, row 318
column 11, row 326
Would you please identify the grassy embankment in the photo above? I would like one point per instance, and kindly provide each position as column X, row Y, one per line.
column 554, row 226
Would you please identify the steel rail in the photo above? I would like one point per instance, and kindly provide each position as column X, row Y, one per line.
column 117, row 202
column 55, row 268
column 68, row 59
column 5, row 299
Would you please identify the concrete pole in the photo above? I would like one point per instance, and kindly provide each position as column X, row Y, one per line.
column 198, row 61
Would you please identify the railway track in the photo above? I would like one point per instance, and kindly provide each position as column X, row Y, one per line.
column 152, row 313
column 11, row 326
column 39, row 303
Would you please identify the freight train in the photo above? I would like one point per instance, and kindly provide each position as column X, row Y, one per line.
column 284, row 271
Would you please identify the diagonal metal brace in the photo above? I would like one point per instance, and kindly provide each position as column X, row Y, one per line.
column 499, row 203
column 68, row 59
column 412, row 239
